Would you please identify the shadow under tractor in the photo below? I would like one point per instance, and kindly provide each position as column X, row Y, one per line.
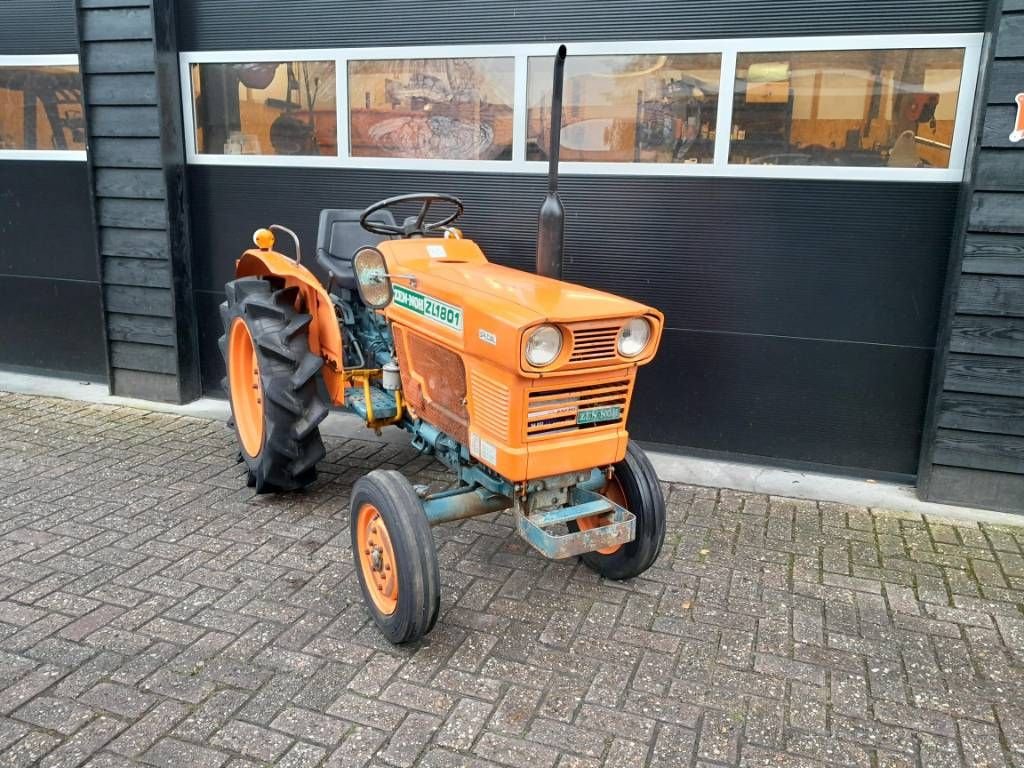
column 518, row 383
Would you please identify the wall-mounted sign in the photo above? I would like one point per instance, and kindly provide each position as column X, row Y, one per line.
column 1018, row 131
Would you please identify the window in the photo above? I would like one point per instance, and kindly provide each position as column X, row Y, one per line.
column 456, row 109
column 41, row 108
column 266, row 108
column 884, row 108
column 624, row 108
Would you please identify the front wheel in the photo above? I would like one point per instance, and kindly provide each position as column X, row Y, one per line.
column 633, row 485
column 395, row 557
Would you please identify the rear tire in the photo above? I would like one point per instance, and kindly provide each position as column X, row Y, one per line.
column 395, row 557
column 634, row 486
column 271, row 383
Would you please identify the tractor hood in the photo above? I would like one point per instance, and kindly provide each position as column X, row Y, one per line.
column 458, row 272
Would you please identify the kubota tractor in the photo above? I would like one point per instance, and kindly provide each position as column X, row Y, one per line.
column 519, row 383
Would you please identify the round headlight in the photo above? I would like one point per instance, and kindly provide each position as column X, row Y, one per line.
column 634, row 337
column 543, row 346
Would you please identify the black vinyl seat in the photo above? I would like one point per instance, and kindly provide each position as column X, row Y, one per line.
column 340, row 236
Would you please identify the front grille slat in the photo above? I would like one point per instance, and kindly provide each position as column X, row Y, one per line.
column 594, row 344
column 555, row 409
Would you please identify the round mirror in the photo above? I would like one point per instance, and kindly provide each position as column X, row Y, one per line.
column 372, row 277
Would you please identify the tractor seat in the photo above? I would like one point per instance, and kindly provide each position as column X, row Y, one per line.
column 340, row 236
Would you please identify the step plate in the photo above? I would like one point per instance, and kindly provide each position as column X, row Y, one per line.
column 383, row 402
column 621, row 529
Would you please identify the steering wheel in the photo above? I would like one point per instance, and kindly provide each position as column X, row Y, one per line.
column 414, row 225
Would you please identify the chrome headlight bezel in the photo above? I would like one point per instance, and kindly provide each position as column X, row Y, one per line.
column 551, row 337
column 634, row 328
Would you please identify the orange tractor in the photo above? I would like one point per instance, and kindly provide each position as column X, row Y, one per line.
column 519, row 383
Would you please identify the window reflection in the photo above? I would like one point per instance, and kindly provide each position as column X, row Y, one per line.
column 459, row 109
column 624, row 108
column 893, row 108
column 266, row 108
column 41, row 108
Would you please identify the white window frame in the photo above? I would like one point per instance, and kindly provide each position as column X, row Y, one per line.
column 43, row 60
column 729, row 49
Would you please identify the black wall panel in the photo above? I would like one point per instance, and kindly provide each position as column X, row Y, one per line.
column 801, row 314
column 46, row 227
column 52, row 326
column 37, row 26
column 241, row 24
column 50, row 317
column 802, row 400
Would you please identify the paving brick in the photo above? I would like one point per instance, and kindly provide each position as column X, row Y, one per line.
column 172, row 753
column 410, row 739
column 311, row 726
column 86, row 742
column 62, row 715
column 251, row 741
column 514, row 752
column 119, row 699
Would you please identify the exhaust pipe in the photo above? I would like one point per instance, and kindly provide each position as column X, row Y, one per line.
column 551, row 228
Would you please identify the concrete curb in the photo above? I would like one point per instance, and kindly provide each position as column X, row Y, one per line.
column 670, row 467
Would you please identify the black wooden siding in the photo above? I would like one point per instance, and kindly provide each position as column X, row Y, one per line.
column 974, row 451
column 243, row 24
column 129, row 66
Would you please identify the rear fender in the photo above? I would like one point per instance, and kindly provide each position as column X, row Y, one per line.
column 324, row 331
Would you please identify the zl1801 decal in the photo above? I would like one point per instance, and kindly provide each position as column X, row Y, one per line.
column 428, row 307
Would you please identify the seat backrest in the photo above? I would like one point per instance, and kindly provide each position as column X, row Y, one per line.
column 340, row 234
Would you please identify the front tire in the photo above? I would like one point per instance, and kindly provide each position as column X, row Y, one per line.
column 271, row 382
column 634, row 485
column 395, row 557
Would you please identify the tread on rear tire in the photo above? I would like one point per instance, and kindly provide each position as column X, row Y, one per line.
column 292, row 406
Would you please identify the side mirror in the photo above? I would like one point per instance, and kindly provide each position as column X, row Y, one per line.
column 372, row 278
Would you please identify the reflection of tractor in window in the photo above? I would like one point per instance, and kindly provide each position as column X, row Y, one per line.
column 519, row 384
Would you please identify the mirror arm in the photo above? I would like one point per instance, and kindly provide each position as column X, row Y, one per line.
column 298, row 248
column 410, row 278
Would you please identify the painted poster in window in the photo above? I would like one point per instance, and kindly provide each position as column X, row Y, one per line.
column 455, row 109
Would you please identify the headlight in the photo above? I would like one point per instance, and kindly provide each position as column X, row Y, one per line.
column 543, row 346
column 634, row 337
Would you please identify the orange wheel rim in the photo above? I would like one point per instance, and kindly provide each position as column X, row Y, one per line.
column 613, row 492
column 246, row 390
column 377, row 559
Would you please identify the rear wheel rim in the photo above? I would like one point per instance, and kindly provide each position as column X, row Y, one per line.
column 613, row 492
column 377, row 559
column 246, row 389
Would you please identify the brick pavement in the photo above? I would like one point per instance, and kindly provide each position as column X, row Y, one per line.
column 153, row 611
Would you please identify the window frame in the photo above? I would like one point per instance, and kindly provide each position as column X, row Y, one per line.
column 44, row 60
column 729, row 48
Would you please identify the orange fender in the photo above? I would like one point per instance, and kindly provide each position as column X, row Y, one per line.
column 324, row 331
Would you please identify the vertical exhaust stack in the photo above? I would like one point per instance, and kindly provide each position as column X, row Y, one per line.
column 551, row 229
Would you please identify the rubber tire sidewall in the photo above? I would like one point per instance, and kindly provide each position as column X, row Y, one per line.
column 419, row 577
column 647, row 503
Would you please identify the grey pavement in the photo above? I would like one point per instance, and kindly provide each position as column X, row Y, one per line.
column 153, row 611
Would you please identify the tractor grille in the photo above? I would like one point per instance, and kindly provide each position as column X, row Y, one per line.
column 591, row 344
column 557, row 410
column 490, row 405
